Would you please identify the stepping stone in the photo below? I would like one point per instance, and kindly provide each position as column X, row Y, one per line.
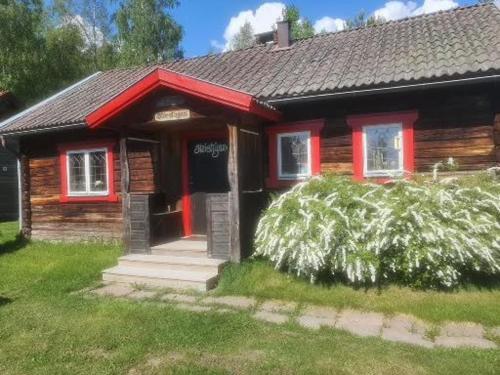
column 114, row 290
column 271, row 317
column 142, row 294
column 193, row 308
column 406, row 323
column 233, row 301
column 173, row 297
column 314, row 322
column 361, row 323
column 464, row 329
column 462, row 342
column 278, row 306
column 321, row 312
column 405, row 336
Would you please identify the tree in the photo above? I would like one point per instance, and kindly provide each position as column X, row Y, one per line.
column 93, row 21
column 147, row 33
column 300, row 27
column 21, row 46
column 362, row 20
column 244, row 39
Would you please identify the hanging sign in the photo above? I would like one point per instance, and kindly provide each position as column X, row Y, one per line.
column 173, row 115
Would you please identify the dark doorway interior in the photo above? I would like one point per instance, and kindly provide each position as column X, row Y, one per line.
column 207, row 174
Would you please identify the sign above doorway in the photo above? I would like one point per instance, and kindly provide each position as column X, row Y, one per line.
column 172, row 115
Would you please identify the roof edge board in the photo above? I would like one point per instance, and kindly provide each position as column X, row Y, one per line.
column 185, row 84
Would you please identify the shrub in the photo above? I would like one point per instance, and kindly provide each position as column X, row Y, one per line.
column 422, row 234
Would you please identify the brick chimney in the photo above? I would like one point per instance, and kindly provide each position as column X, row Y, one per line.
column 283, row 34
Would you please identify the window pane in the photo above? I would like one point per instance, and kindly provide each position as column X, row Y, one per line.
column 383, row 148
column 76, row 172
column 98, row 177
column 294, row 154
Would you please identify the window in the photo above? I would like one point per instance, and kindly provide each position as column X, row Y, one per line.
column 382, row 144
column 294, row 155
column 87, row 172
column 383, row 150
column 294, row 152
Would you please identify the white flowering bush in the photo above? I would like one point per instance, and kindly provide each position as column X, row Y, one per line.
column 421, row 234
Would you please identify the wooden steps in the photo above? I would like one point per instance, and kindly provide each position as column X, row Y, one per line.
column 182, row 264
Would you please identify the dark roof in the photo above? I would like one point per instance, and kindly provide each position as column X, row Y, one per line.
column 463, row 42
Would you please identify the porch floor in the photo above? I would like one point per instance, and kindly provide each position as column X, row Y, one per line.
column 180, row 264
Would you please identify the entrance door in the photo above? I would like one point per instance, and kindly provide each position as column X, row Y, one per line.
column 207, row 160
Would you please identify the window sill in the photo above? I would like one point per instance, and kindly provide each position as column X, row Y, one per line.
column 280, row 183
column 89, row 198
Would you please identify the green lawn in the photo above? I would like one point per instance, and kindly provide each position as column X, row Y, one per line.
column 256, row 278
column 45, row 329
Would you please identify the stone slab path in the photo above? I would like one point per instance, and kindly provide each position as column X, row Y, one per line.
column 399, row 328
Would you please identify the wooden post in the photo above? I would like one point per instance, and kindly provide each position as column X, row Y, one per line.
column 234, row 194
column 496, row 136
column 25, row 197
column 125, row 192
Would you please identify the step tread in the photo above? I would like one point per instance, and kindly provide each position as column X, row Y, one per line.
column 171, row 259
column 180, row 245
column 169, row 274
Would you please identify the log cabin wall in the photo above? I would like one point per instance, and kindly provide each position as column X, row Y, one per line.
column 50, row 219
column 456, row 123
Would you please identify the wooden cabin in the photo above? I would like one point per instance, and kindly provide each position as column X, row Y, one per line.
column 9, row 208
column 177, row 160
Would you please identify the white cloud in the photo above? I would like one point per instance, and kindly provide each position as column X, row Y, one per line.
column 262, row 19
column 395, row 10
column 329, row 24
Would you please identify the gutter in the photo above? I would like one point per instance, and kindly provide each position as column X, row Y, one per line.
column 43, row 102
column 44, row 130
column 392, row 89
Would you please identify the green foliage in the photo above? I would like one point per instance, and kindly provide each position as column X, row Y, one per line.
column 362, row 20
column 424, row 235
column 300, row 27
column 245, row 37
column 146, row 32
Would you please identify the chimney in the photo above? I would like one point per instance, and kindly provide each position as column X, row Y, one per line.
column 283, row 34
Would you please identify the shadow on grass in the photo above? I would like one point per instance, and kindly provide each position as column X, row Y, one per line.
column 5, row 301
column 13, row 245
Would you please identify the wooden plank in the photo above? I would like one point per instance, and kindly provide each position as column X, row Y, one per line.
column 125, row 192
column 25, row 196
column 234, row 194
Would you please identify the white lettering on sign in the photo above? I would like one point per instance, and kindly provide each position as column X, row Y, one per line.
column 213, row 149
column 173, row 115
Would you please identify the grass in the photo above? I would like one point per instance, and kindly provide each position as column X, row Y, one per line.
column 257, row 278
column 47, row 329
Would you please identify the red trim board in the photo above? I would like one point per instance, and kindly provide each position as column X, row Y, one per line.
column 407, row 119
column 63, row 150
column 187, row 220
column 188, row 85
column 313, row 126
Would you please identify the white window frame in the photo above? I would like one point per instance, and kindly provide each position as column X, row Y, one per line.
column 383, row 173
column 298, row 176
column 87, row 192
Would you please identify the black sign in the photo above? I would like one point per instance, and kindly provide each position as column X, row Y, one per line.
column 208, row 166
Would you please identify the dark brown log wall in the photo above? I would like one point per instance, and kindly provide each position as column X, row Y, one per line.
column 452, row 123
column 49, row 218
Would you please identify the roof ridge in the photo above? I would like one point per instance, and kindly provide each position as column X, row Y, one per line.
column 401, row 20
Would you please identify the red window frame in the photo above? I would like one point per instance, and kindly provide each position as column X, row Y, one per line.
column 109, row 145
column 312, row 126
column 407, row 120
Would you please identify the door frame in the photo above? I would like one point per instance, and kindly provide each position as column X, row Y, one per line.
column 187, row 220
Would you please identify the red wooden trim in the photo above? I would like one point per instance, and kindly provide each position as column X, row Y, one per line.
column 64, row 148
column 357, row 122
column 187, row 220
column 313, row 126
column 185, row 84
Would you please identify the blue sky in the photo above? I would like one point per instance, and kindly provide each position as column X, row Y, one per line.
column 206, row 22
